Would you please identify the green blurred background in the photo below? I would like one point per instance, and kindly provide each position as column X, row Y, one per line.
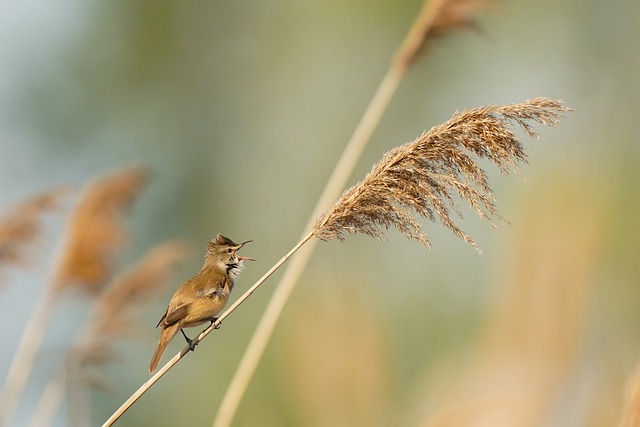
column 242, row 108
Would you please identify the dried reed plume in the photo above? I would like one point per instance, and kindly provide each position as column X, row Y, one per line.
column 457, row 14
column 423, row 176
column 95, row 230
column 438, row 18
column 20, row 228
column 94, row 233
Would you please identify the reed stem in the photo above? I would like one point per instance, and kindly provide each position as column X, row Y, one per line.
column 25, row 356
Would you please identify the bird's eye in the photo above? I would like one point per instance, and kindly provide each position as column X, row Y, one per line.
column 229, row 250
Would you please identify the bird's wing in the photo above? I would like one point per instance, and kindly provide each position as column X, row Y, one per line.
column 163, row 317
column 174, row 314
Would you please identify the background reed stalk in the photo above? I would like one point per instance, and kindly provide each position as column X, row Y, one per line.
column 95, row 231
column 19, row 230
column 25, row 355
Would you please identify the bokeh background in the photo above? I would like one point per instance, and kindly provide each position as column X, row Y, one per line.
column 241, row 109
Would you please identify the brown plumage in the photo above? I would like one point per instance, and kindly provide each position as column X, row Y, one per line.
column 201, row 298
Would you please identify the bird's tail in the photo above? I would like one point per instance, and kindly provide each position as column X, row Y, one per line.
column 165, row 338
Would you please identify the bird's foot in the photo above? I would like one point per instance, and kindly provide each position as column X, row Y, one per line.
column 192, row 343
column 214, row 320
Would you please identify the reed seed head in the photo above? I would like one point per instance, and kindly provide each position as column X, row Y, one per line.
column 20, row 228
column 96, row 231
column 458, row 14
column 439, row 18
column 422, row 177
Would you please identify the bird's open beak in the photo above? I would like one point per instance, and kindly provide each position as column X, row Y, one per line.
column 245, row 258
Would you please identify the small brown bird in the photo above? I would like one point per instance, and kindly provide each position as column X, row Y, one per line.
column 201, row 298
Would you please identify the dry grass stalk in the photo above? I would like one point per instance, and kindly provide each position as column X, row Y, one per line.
column 110, row 319
column 423, row 176
column 20, row 228
column 95, row 230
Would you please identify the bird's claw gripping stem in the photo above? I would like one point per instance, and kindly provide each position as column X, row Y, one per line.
column 192, row 343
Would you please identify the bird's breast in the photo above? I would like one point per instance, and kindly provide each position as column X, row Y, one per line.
column 204, row 309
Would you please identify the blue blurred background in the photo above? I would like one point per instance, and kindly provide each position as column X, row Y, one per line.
column 242, row 108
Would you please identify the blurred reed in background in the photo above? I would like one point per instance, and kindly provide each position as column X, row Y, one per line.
column 85, row 262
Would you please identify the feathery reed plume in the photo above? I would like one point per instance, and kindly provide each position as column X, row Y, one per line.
column 423, row 176
column 110, row 319
column 458, row 14
column 20, row 227
column 96, row 231
column 438, row 18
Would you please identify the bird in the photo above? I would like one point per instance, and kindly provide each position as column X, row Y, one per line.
column 201, row 298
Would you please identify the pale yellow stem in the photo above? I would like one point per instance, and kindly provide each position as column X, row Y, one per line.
column 24, row 357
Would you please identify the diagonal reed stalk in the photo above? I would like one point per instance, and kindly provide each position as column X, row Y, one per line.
column 420, row 178
column 95, row 232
